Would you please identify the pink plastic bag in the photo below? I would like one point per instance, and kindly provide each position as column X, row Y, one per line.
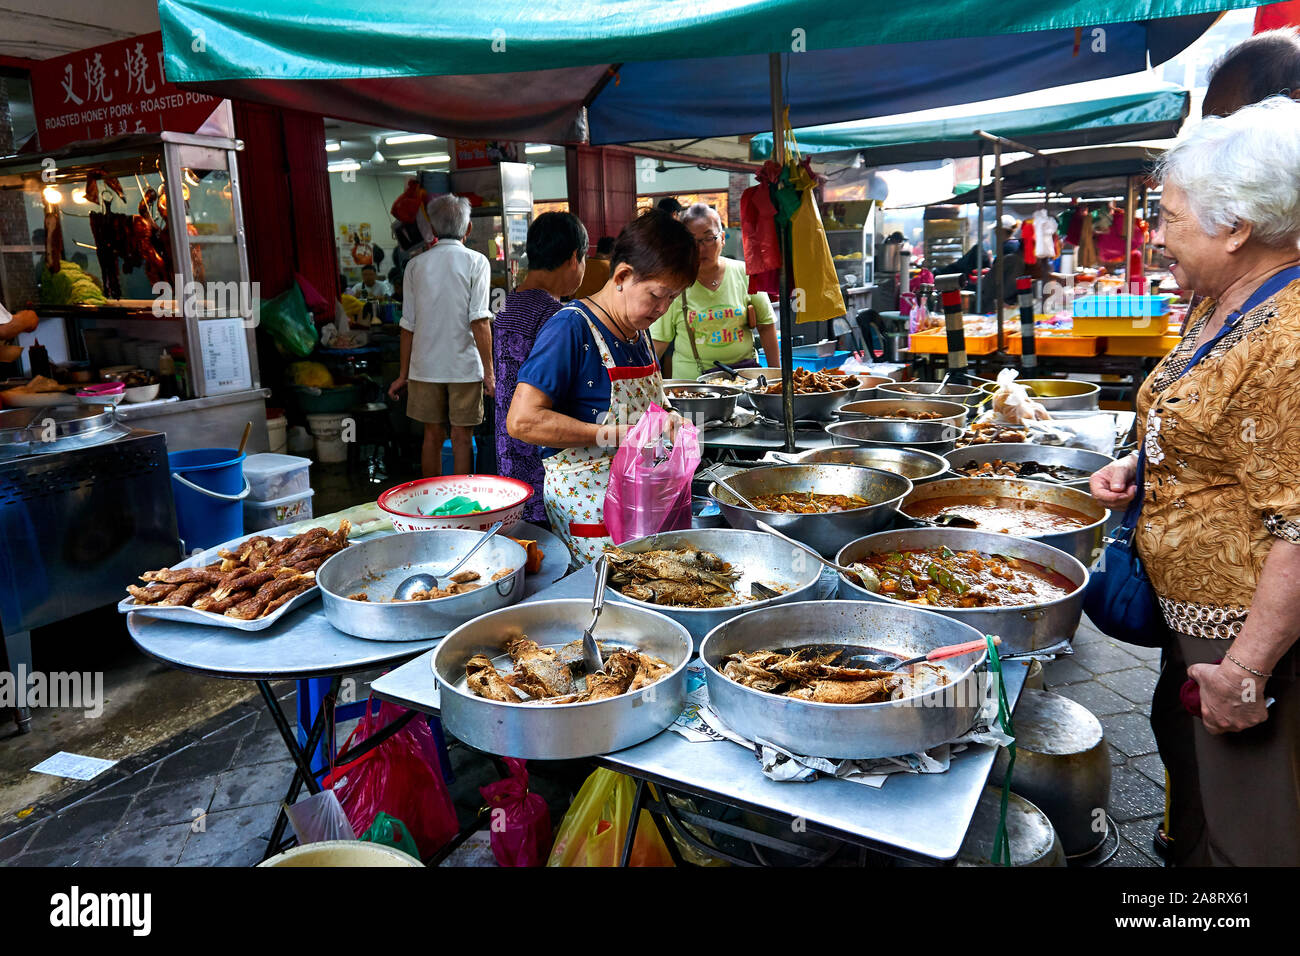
column 650, row 481
column 520, row 821
column 400, row 777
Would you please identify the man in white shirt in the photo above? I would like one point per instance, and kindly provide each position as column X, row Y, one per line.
column 446, row 337
column 371, row 286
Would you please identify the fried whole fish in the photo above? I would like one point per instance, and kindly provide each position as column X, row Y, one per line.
column 620, row 669
column 539, row 669
column 685, row 577
column 485, row 680
column 848, row 692
column 548, row 676
column 808, row 675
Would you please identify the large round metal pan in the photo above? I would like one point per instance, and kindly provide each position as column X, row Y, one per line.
column 826, row 533
column 969, row 395
column 949, row 413
column 1023, row 627
column 1057, row 394
column 915, row 466
column 1084, row 543
column 1059, row 455
column 815, row 729
column 701, row 406
column 809, row 406
column 377, row 567
column 561, row 731
column 934, row 437
column 759, row 556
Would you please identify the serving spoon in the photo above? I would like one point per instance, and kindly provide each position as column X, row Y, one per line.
column 428, row 582
column 865, row 576
column 591, row 658
column 710, row 473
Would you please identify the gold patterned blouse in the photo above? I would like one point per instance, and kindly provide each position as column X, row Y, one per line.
column 1222, row 465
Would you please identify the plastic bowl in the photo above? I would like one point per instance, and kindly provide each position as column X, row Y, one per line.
column 504, row 498
column 143, row 393
column 110, row 394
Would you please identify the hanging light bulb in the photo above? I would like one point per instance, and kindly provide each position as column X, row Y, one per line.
column 79, row 196
column 52, row 195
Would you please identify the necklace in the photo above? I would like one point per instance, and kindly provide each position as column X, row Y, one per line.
column 618, row 327
column 713, row 283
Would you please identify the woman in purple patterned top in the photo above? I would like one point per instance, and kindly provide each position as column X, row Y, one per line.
column 557, row 259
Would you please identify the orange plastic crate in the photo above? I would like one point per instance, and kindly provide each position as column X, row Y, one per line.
column 936, row 343
column 1145, row 328
column 1151, row 346
column 1055, row 343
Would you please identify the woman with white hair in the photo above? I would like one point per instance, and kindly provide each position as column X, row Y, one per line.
column 1218, row 472
column 717, row 319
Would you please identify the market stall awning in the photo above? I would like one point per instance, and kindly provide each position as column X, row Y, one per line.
column 652, row 70
column 1074, row 172
column 1150, row 114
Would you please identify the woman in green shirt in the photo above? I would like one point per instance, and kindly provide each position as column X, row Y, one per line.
column 716, row 319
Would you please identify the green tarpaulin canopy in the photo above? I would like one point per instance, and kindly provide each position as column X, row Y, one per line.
column 1153, row 114
column 649, row 69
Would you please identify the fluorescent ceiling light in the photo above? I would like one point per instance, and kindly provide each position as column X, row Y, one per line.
column 424, row 160
column 333, row 147
column 346, row 166
column 541, row 148
column 408, row 138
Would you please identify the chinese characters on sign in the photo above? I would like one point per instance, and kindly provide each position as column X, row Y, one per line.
column 112, row 90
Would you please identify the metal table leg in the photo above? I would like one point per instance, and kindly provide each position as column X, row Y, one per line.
column 632, row 823
column 18, row 654
column 302, row 774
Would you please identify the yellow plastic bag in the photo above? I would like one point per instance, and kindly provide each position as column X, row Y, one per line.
column 595, row 827
column 816, row 284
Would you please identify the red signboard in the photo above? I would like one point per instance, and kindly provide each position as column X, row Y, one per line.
column 473, row 153
column 112, row 90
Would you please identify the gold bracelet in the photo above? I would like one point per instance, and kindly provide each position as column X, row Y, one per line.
column 1244, row 667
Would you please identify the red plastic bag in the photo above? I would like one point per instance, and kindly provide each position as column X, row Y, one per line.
column 520, row 821
column 399, row 777
column 758, row 230
column 650, row 481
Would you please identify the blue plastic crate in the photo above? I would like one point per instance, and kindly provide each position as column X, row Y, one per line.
column 1122, row 305
column 805, row 356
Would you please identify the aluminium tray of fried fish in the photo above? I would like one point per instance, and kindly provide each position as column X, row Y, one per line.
column 675, row 583
column 577, row 725
column 239, row 596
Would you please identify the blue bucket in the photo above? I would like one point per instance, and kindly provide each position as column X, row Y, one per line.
column 209, row 487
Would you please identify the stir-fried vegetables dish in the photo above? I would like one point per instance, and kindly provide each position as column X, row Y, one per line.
column 941, row 577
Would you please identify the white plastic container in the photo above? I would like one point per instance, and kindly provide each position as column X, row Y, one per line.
column 277, row 434
column 259, row 515
column 272, row 476
column 327, row 430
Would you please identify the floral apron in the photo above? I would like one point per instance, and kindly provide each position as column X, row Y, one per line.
column 576, row 478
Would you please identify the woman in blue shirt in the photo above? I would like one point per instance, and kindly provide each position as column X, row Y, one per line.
column 593, row 373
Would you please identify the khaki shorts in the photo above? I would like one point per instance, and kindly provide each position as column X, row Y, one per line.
column 443, row 403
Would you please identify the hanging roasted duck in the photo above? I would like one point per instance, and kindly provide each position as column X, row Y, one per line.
column 146, row 239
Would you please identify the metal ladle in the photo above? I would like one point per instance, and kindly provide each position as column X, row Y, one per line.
column 865, row 575
column 591, row 658
column 888, row 662
column 710, row 473
column 428, row 582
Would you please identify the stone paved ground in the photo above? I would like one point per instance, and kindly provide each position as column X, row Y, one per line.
column 232, row 772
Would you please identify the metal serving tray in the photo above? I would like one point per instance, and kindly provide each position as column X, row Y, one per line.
column 191, row 616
